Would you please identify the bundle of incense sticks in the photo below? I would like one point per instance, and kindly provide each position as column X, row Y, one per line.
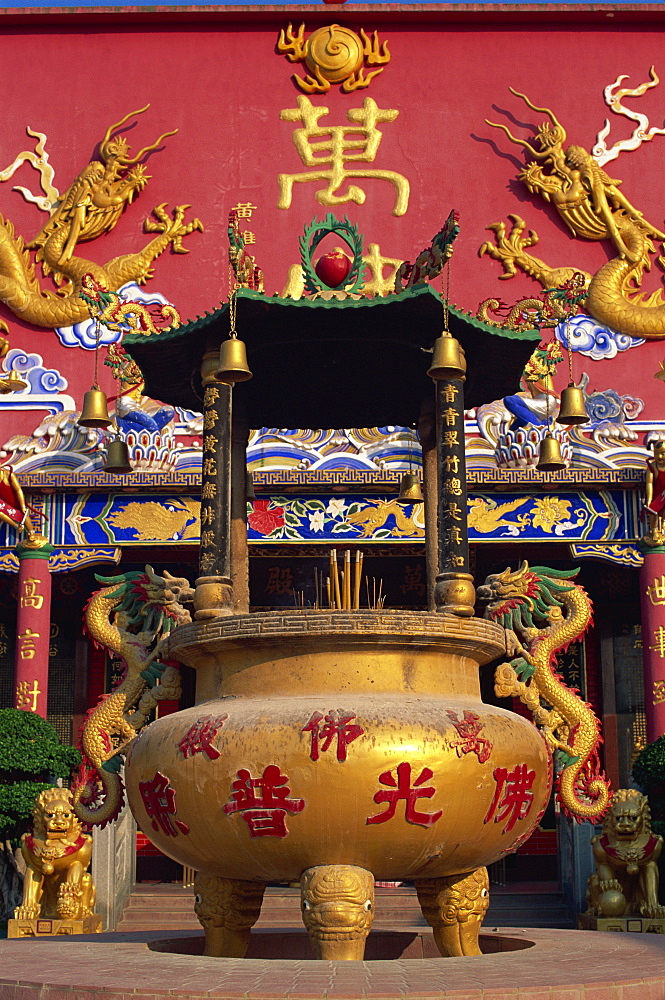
column 377, row 599
column 342, row 588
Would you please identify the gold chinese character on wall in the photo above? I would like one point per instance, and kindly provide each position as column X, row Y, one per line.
column 26, row 696
column 332, row 147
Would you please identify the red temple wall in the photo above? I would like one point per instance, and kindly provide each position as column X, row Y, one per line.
column 223, row 87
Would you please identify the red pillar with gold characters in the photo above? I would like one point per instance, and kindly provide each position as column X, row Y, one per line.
column 652, row 597
column 33, row 625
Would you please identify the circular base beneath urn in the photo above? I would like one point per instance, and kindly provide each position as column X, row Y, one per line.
column 293, row 944
column 580, row 965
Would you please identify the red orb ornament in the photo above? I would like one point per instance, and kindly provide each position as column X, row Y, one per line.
column 333, row 268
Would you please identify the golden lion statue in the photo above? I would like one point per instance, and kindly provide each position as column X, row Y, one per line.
column 625, row 882
column 57, row 854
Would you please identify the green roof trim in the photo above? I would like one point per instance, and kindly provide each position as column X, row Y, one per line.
column 410, row 294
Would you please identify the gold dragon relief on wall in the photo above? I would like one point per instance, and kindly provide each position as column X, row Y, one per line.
column 90, row 207
column 594, row 207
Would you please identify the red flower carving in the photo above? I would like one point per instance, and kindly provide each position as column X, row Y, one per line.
column 263, row 520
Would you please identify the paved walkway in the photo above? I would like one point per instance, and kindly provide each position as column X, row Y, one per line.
column 561, row 965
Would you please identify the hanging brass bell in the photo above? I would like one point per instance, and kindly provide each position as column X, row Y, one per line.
column 409, row 489
column 249, row 486
column 117, row 457
column 572, row 409
column 233, row 365
column 549, row 456
column 95, row 411
column 448, row 360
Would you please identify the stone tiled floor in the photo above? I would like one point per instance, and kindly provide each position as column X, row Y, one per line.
column 561, row 965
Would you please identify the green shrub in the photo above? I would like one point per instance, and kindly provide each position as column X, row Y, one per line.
column 31, row 759
column 649, row 776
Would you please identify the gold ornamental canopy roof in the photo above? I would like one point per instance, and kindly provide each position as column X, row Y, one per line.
column 329, row 363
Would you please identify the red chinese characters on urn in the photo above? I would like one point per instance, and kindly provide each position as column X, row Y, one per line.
column 336, row 746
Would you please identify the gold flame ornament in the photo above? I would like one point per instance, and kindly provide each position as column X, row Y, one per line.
column 333, row 55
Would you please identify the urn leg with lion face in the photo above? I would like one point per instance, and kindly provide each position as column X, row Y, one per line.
column 337, row 910
column 455, row 907
column 227, row 909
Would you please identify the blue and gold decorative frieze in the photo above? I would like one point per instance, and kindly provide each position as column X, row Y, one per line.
column 66, row 560
column 552, row 517
column 619, row 553
column 122, row 519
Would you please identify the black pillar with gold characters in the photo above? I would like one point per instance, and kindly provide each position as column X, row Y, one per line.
column 214, row 593
column 427, row 436
column 454, row 592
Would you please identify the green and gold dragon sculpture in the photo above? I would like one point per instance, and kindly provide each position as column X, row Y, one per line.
column 109, row 310
column 90, row 207
column 543, row 611
column 593, row 207
column 131, row 616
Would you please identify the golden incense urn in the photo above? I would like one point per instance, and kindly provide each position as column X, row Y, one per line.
column 323, row 740
column 337, row 745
